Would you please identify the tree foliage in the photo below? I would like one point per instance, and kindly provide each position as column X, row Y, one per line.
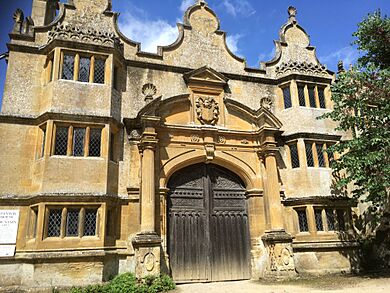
column 361, row 99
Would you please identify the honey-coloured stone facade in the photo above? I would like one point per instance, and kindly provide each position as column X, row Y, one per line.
column 92, row 130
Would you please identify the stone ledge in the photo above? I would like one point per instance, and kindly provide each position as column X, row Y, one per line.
column 325, row 245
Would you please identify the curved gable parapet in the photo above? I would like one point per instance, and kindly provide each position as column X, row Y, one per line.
column 200, row 42
column 294, row 54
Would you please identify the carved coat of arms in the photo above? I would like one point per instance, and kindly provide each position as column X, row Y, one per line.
column 207, row 110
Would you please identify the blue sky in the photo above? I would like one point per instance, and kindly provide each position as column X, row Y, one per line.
column 252, row 25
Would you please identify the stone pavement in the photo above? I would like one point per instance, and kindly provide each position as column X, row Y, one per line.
column 327, row 284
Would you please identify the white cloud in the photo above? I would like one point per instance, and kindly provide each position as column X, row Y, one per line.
column 151, row 33
column 239, row 7
column 185, row 4
column 232, row 42
column 264, row 57
column 348, row 55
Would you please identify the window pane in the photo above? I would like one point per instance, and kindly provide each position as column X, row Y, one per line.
column 95, row 142
column 294, row 156
column 341, row 219
column 302, row 219
column 90, row 222
column 330, row 219
column 99, row 71
column 301, row 95
column 320, row 155
column 112, row 146
column 84, row 69
column 68, row 67
column 309, row 154
column 318, row 216
column 321, row 97
column 61, row 141
column 312, row 96
column 287, row 97
column 72, row 222
column 54, row 223
column 78, row 142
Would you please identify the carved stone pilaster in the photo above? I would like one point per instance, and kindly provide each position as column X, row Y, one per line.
column 280, row 263
column 147, row 247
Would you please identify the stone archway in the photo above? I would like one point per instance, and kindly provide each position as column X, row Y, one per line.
column 208, row 227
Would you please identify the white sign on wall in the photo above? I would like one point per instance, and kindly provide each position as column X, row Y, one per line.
column 9, row 221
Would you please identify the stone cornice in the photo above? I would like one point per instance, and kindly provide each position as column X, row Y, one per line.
column 313, row 136
column 36, row 120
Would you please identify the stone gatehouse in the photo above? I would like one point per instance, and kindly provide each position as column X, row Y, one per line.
column 186, row 162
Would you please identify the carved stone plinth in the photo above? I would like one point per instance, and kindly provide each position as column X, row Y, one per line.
column 147, row 248
column 280, row 255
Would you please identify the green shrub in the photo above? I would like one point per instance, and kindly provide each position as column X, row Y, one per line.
column 128, row 283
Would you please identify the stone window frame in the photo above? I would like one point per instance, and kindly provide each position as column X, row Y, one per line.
column 314, row 153
column 282, row 88
column 41, row 141
column 295, row 144
column 336, row 220
column 70, row 142
column 319, row 104
column 297, row 221
column 81, row 220
column 80, row 54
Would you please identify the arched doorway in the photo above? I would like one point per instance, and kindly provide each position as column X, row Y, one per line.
column 208, row 238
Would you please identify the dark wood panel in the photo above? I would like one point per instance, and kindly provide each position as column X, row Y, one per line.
column 208, row 225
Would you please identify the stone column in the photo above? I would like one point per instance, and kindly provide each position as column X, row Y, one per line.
column 147, row 243
column 277, row 241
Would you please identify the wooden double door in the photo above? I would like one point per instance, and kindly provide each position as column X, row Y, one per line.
column 208, row 238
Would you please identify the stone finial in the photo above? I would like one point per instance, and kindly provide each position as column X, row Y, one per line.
column 18, row 18
column 200, row 2
column 292, row 13
column 340, row 66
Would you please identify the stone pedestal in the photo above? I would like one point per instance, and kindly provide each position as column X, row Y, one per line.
column 147, row 248
column 280, row 264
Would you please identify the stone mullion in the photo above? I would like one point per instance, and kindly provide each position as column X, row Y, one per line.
column 81, row 222
column 307, row 100
column 92, row 70
column 76, row 67
column 58, row 62
column 315, row 155
column 311, row 219
column 63, row 222
column 317, row 97
column 326, row 156
column 86, row 141
column 69, row 151
column 50, row 139
column 294, row 94
column 302, row 152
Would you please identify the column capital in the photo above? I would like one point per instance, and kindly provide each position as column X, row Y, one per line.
column 268, row 149
column 148, row 143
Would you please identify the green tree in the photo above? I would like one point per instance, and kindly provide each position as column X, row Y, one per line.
column 361, row 99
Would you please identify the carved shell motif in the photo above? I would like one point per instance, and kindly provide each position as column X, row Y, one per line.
column 18, row 16
column 149, row 90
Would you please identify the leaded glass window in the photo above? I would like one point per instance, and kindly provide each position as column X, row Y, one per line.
column 341, row 219
column 287, row 97
column 320, row 155
column 330, row 219
column 312, row 96
column 302, row 220
column 61, row 145
column 318, row 218
column 68, row 67
column 321, row 97
column 90, row 222
column 309, row 155
column 99, row 70
column 84, row 68
column 78, row 142
column 301, row 95
column 95, row 142
column 54, row 223
column 294, row 156
column 72, row 222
